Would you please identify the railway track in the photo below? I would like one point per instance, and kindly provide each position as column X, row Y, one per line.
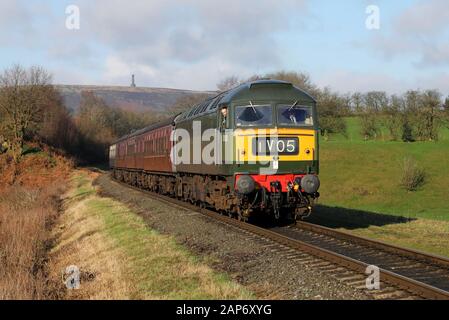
column 423, row 274
column 404, row 273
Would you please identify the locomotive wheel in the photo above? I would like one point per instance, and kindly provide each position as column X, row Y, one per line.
column 240, row 216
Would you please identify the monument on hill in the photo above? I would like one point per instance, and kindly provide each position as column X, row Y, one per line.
column 133, row 83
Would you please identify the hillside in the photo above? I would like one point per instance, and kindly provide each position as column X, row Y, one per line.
column 365, row 175
column 134, row 99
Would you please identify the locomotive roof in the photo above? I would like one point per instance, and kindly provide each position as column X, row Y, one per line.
column 253, row 90
column 271, row 87
column 157, row 125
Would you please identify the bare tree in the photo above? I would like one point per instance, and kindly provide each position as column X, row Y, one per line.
column 393, row 118
column 423, row 113
column 357, row 102
column 187, row 102
column 331, row 109
column 299, row 79
column 446, row 111
column 228, row 83
column 22, row 95
column 429, row 115
column 376, row 101
column 57, row 127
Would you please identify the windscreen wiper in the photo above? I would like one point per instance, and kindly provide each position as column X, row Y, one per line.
column 293, row 105
column 254, row 109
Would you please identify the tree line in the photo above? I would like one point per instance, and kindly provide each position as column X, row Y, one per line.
column 32, row 110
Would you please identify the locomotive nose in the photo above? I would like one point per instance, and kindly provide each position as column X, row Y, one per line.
column 245, row 184
column 310, row 183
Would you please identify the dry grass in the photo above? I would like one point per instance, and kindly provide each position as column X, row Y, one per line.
column 25, row 218
column 81, row 242
column 29, row 204
column 413, row 176
column 127, row 259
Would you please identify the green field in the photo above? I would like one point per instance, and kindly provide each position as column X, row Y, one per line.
column 365, row 175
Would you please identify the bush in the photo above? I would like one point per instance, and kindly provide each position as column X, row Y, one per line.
column 330, row 125
column 413, row 177
column 407, row 132
column 369, row 126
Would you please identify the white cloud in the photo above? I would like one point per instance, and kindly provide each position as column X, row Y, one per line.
column 195, row 43
column 438, row 81
column 425, row 18
column 167, row 37
column 349, row 81
column 201, row 75
column 191, row 43
column 420, row 32
column 16, row 22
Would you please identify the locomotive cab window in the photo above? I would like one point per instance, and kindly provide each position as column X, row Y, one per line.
column 253, row 115
column 295, row 115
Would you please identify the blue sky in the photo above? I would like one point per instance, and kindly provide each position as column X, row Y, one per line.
column 193, row 44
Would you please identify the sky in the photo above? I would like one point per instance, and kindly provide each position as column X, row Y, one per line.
column 192, row 44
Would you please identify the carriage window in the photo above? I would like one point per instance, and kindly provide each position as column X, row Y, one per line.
column 147, row 147
column 295, row 115
column 253, row 115
column 131, row 149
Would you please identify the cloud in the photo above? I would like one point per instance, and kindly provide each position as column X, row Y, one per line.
column 15, row 17
column 420, row 32
column 161, row 37
column 439, row 80
column 196, row 43
column 359, row 81
column 201, row 75
column 351, row 81
column 160, row 41
column 426, row 18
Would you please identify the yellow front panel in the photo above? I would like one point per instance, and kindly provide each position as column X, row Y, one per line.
column 244, row 145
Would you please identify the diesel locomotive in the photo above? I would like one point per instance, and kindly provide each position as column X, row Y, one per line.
column 252, row 150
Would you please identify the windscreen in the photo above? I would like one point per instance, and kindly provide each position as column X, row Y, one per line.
column 253, row 115
column 295, row 115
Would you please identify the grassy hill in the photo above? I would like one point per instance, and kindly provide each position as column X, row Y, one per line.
column 365, row 175
column 134, row 99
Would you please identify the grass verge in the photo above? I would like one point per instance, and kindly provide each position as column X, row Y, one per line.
column 426, row 235
column 122, row 258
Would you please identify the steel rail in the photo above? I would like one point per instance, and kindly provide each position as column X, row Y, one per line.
column 402, row 251
column 411, row 285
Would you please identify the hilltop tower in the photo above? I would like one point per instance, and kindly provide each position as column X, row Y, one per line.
column 133, row 83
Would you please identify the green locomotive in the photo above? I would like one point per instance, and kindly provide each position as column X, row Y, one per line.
column 248, row 151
